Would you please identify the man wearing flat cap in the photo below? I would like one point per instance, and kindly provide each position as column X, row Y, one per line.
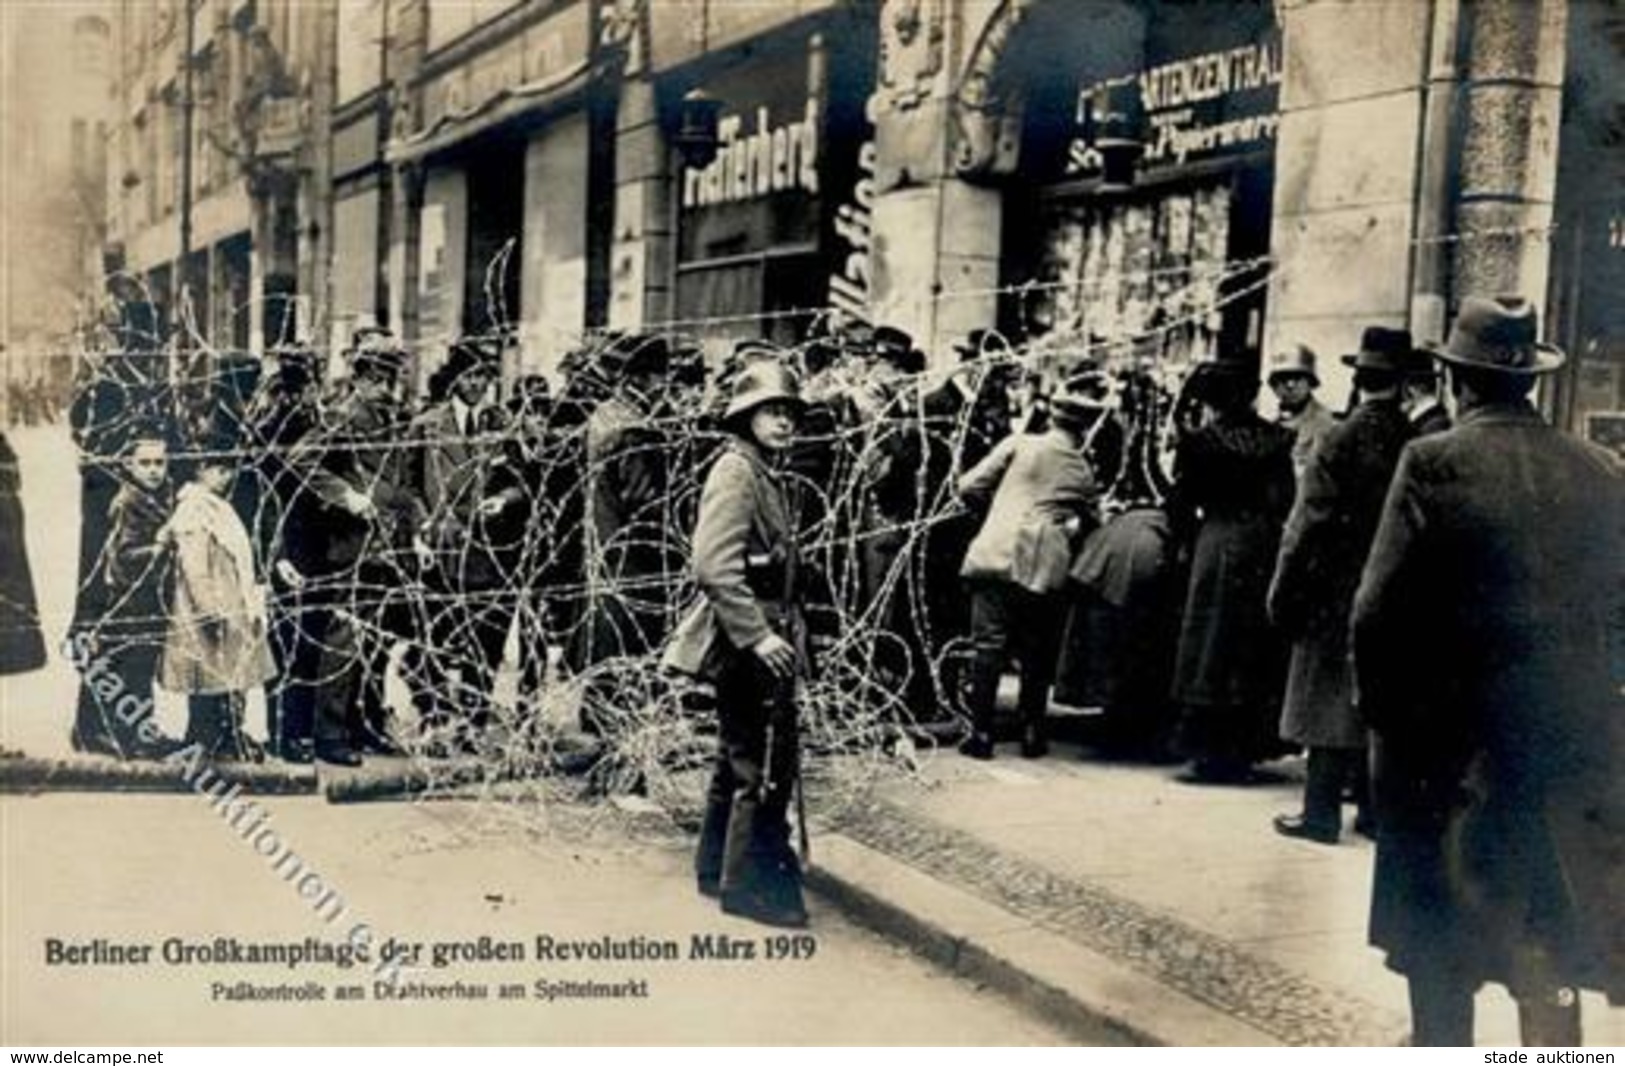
column 1481, row 632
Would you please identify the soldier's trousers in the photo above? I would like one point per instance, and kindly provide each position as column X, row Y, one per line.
column 745, row 840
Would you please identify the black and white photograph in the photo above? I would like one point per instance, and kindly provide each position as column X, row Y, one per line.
column 802, row 523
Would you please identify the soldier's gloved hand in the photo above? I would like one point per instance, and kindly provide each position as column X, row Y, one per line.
column 492, row 506
column 778, row 655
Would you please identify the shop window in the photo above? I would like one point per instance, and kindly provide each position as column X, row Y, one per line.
column 768, row 296
column 1114, row 270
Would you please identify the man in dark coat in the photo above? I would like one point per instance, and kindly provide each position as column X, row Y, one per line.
column 473, row 557
column 288, row 535
column 1481, row 639
column 1233, row 486
column 1333, row 519
column 629, row 548
column 1420, row 396
column 359, row 476
column 960, row 422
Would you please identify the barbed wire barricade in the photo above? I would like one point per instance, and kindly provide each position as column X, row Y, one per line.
column 504, row 631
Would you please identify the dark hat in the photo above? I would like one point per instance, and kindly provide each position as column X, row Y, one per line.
column 1498, row 334
column 635, row 353
column 473, row 353
column 1222, row 380
column 1074, row 410
column 533, row 386
column 980, row 342
column 1381, row 348
column 1418, row 364
column 374, row 348
column 296, row 361
column 1299, row 360
column 762, row 381
column 1086, row 381
column 889, row 339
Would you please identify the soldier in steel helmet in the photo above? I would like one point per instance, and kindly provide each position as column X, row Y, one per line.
column 742, row 636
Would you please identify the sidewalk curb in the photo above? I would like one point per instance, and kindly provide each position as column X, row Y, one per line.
column 1092, row 997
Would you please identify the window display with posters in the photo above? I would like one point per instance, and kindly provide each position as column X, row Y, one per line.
column 1152, row 153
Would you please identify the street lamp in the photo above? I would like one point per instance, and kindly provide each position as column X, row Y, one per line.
column 697, row 139
column 1114, row 133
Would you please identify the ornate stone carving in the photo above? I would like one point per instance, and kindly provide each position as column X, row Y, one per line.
column 911, row 47
column 983, row 118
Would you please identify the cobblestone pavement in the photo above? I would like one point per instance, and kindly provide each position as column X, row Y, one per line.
column 1174, row 952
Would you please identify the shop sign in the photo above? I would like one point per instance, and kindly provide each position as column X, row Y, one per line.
column 535, row 57
column 854, row 227
column 1203, row 106
column 758, row 162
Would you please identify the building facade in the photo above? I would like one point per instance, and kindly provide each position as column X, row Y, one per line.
column 1185, row 181
column 58, row 66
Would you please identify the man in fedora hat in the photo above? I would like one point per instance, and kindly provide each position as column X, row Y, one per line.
column 1334, row 517
column 1294, row 378
column 1481, row 632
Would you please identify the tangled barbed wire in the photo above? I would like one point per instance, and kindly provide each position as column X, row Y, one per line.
column 498, row 613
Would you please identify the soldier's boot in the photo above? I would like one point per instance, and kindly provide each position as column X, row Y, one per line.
column 708, row 857
column 752, row 884
column 983, row 693
column 1034, row 715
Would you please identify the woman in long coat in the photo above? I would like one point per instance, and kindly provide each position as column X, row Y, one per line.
column 22, row 647
column 742, row 636
column 1233, row 482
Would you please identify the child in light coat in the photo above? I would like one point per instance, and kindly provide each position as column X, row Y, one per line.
column 216, row 648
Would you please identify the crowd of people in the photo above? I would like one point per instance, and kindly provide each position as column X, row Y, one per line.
column 1427, row 610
